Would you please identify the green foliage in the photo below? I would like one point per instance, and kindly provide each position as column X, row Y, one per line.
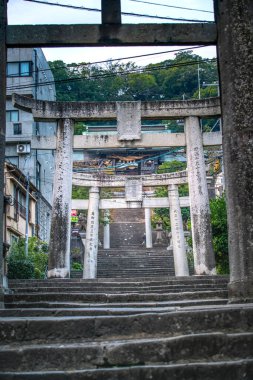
column 32, row 266
column 171, row 79
column 220, row 233
column 76, row 266
column 20, row 268
column 79, row 128
column 80, row 192
column 171, row 166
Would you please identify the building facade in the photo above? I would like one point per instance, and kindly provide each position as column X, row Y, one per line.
column 28, row 73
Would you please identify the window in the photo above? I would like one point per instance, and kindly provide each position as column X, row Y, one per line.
column 17, row 129
column 14, row 239
column 19, row 69
column 13, row 160
column 38, row 174
column 12, row 116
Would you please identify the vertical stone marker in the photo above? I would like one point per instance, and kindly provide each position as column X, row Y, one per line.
column 204, row 261
column 177, row 231
column 148, row 228
column 59, row 246
column 235, row 55
column 91, row 244
column 3, row 24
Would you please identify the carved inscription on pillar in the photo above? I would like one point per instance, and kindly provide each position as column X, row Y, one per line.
column 92, row 240
column 197, row 166
column 177, row 226
column 133, row 190
column 129, row 120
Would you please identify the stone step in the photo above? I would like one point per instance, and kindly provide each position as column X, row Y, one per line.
column 230, row 369
column 194, row 280
column 116, row 289
column 68, row 309
column 107, row 297
column 41, row 330
column 172, row 305
column 203, row 347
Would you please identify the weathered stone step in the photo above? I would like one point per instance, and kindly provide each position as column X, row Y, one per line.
column 171, row 304
column 69, row 309
column 179, row 280
column 78, row 329
column 106, row 297
column 231, row 369
column 130, row 352
column 127, row 289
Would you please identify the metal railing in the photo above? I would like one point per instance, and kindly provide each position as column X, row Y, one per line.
column 20, row 209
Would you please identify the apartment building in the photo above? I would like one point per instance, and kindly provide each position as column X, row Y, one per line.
column 28, row 73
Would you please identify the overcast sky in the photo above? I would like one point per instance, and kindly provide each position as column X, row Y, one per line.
column 24, row 12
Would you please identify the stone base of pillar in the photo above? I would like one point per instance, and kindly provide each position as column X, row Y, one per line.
column 1, row 297
column 240, row 291
column 203, row 270
column 58, row 273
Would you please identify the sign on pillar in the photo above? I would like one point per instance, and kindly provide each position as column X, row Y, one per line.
column 91, row 244
column 59, row 245
column 204, row 261
column 177, row 231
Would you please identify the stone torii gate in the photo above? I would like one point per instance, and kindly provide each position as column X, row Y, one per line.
column 134, row 199
column 128, row 115
column 232, row 32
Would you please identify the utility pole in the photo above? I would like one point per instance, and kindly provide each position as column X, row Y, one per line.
column 27, row 215
column 199, row 80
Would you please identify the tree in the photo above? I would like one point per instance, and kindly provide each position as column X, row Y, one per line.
column 220, row 233
column 80, row 192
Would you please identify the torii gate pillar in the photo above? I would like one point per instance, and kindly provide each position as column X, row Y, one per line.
column 204, row 262
column 59, row 246
column 235, row 51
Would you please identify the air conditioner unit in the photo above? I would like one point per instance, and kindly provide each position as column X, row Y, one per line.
column 23, row 148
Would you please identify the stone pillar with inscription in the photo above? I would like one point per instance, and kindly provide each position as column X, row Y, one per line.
column 177, row 231
column 59, row 245
column 148, row 228
column 106, row 241
column 91, row 244
column 204, row 261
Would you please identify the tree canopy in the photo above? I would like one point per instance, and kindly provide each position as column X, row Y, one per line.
column 114, row 81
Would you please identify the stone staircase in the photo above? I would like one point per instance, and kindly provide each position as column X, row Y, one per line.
column 135, row 261
column 127, row 329
column 127, row 227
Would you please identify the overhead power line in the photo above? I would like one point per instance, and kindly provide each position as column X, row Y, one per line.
column 171, row 6
column 123, row 13
column 84, row 64
column 108, row 75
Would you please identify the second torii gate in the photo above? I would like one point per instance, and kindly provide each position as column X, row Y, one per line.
column 128, row 115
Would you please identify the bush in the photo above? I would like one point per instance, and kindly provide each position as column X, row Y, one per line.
column 76, row 266
column 20, row 268
column 34, row 265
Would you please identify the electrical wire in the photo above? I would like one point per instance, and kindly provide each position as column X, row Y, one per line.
column 123, row 13
column 67, row 66
column 171, row 6
column 149, row 69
